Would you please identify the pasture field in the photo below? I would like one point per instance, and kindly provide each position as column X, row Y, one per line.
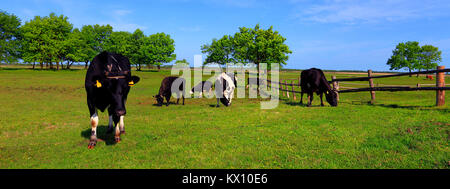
column 44, row 123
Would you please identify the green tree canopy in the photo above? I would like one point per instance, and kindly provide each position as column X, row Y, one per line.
column 411, row 56
column 184, row 61
column 430, row 57
column 96, row 37
column 44, row 39
column 76, row 48
column 405, row 55
column 159, row 48
column 119, row 42
column 9, row 37
column 249, row 45
column 219, row 51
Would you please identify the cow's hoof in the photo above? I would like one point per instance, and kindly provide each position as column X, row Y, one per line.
column 122, row 132
column 92, row 144
column 117, row 139
column 217, row 106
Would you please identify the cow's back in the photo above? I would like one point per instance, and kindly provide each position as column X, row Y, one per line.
column 312, row 80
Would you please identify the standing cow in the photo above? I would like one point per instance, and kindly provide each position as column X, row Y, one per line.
column 314, row 80
column 224, row 86
column 107, row 84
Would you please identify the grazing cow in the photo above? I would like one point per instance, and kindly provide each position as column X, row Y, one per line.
column 107, row 83
column 430, row 77
column 313, row 80
column 165, row 91
column 202, row 87
column 224, row 86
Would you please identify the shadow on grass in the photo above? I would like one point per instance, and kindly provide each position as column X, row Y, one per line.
column 39, row 69
column 170, row 103
column 101, row 135
column 147, row 71
column 432, row 108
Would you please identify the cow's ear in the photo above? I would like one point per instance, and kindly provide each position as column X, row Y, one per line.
column 134, row 80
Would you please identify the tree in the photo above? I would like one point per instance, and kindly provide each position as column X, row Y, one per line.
column 184, row 61
column 159, row 49
column 44, row 39
column 249, row 45
column 76, row 48
column 9, row 37
column 405, row 55
column 219, row 51
column 137, row 56
column 96, row 37
column 430, row 56
column 119, row 42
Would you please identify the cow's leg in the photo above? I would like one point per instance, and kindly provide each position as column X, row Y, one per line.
column 94, row 123
column 182, row 95
column 111, row 122
column 121, row 125
column 321, row 100
column 218, row 101
column 167, row 99
column 310, row 99
column 117, row 122
column 178, row 97
column 301, row 97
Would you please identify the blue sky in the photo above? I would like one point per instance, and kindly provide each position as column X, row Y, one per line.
column 327, row 34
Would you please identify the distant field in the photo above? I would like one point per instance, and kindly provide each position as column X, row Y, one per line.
column 44, row 123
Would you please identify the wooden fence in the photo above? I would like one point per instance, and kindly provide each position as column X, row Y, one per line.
column 287, row 85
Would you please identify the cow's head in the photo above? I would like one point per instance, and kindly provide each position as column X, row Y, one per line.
column 118, row 87
column 159, row 99
column 331, row 97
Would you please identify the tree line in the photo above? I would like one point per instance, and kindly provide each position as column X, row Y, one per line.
column 53, row 41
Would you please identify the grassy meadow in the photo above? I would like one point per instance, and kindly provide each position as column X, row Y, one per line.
column 44, row 123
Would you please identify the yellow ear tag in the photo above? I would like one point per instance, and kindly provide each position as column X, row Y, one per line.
column 131, row 83
column 98, row 84
column 327, row 92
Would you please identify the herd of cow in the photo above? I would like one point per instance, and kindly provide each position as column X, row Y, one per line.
column 108, row 81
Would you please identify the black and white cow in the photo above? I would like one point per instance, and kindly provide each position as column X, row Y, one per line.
column 224, row 87
column 107, row 83
column 165, row 90
column 202, row 87
column 314, row 80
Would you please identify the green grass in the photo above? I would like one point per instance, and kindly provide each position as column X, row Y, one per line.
column 44, row 123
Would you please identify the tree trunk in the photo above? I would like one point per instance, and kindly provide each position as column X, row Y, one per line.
column 139, row 67
column 86, row 66
column 409, row 72
column 51, row 65
column 159, row 68
column 34, row 65
column 42, row 65
column 418, row 74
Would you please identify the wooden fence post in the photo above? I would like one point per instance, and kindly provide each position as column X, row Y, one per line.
column 293, row 94
column 281, row 86
column 372, row 93
column 335, row 86
column 287, row 88
column 440, row 82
